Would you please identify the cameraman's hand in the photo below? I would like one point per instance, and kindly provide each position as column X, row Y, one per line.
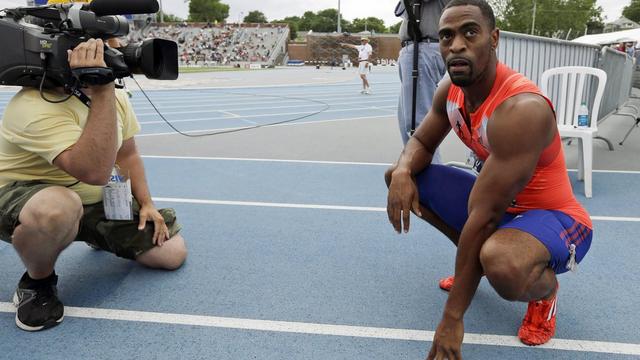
column 87, row 54
column 160, row 230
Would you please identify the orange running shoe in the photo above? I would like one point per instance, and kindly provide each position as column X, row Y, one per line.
column 539, row 324
column 446, row 283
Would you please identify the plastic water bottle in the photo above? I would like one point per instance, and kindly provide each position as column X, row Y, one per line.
column 583, row 116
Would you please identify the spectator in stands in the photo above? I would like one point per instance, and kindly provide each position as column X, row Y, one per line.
column 630, row 48
column 226, row 43
column 364, row 53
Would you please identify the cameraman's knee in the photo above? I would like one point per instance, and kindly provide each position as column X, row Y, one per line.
column 170, row 256
column 54, row 212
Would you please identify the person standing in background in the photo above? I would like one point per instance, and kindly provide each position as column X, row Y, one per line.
column 430, row 66
column 364, row 53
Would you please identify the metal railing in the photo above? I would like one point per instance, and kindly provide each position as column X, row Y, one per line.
column 619, row 68
column 532, row 55
column 280, row 47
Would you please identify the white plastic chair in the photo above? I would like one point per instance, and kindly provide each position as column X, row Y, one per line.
column 570, row 88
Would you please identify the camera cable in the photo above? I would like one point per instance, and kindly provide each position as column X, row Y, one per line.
column 325, row 105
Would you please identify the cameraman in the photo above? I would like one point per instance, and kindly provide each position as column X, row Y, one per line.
column 54, row 160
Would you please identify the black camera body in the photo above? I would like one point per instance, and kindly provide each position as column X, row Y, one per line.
column 36, row 54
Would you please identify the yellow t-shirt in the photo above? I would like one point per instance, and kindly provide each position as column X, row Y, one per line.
column 34, row 132
column 67, row 1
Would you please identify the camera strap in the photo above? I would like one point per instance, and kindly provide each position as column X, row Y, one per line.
column 93, row 75
column 412, row 8
column 78, row 93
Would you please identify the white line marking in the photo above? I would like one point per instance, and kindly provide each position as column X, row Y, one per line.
column 347, row 82
column 268, row 204
column 230, row 114
column 264, row 160
column 611, row 171
column 213, row 118
column 632, row 172
column 615, row 218
column 327, row 207
column 246, row 106
column 257, row 100
column 332, row 330
column 311, row 122
column 262, row 97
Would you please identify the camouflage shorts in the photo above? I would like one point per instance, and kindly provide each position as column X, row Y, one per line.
column 120, row 237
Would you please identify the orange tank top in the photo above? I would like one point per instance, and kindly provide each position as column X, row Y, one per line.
column 549, row 187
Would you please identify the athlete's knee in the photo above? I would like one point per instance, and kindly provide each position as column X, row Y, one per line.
column 503, row 270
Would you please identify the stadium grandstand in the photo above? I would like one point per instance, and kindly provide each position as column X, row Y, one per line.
column 225, row 44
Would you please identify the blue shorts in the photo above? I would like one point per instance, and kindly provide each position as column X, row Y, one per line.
column 445, row 190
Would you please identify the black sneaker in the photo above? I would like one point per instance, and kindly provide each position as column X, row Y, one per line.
column 38, row 307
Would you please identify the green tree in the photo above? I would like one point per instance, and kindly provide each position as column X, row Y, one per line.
column 553, row 18
column 306, row 21
column 167, row 17
column 632, row 11
column 255, row 17
column 499, row 8
column 395, row 28
column 369, row 24
column 595, row 27
column 208, row 10
column 292, row 21
column 322, row 21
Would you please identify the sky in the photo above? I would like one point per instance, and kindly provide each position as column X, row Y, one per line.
column 350, row 9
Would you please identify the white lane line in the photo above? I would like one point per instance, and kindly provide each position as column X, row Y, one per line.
column 234, row 97
column 632, row 172
column 311, row 122
column 635, row 172
column 348, row 82
column 333, row 330
column 327, row 207
column 615, row 218
column 268, row 204
column 213, row 118
column 258, row 100
column 264, row 160
column 246, row 106
column 230, row 114
column 174, row 104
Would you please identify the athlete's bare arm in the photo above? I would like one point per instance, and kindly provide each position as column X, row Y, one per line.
column 416, row 156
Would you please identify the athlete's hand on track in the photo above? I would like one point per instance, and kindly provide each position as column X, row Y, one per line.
column 447, row 341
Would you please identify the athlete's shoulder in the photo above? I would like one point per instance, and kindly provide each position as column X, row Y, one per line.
column 523, row 116
column 441, row 94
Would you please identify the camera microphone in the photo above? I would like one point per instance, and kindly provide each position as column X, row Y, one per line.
column 121, row 7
